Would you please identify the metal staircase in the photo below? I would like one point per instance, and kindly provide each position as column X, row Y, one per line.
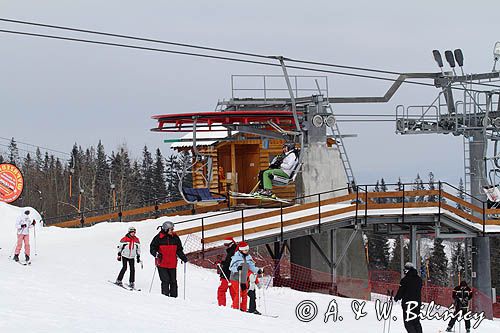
column 342, row 150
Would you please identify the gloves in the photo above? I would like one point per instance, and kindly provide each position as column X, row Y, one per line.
column 240, row 268
column 138, row 259
column 34, row 222
column 23, row 225
column 159, row 256
column 119, row 258
column 185, row 260
column 243, row 286
column 259, row 271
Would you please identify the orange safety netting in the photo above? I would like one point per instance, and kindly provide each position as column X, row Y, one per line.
column 283, row 273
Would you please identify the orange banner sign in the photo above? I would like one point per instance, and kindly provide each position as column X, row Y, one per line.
column 11, row 183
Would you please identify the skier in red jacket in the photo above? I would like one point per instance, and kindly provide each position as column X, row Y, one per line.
column 166, row 247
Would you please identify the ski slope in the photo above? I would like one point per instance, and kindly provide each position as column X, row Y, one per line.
column 65, row 290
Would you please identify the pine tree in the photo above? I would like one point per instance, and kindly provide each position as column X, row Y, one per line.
column 383, row 188
column 13, row 157
column 378, row 251
column 418, row 185
column 123, row 178
column 159, row 187
column 432, row 187
column 438, row 264
column 458, row 262
column 461, row 195
column 399, row 187
column 395, row 262
column 102, row 179
column 147, row 187
column 172, row 180
column 377, row 189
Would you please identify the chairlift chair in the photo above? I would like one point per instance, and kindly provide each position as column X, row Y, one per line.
column 493, row 195
column 284, row 181
column 198, row 195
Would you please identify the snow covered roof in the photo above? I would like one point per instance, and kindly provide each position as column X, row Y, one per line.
column 217, row 133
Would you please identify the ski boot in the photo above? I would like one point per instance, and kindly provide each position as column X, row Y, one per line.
column 267, row 193
column 27, row 257
column 119, row 283
column 256, row 312
column 132, row 285
column 16, row 257
column 449, row 329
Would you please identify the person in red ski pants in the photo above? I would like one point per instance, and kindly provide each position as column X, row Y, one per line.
column 224, row 272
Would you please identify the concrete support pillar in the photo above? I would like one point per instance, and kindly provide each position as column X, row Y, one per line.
column 413, row 245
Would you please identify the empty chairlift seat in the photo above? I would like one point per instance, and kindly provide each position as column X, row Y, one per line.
column 194, row 195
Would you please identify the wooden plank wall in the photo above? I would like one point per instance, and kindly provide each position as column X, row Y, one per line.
column 274, row 148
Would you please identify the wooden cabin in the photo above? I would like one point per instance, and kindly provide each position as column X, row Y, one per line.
column 236, row 162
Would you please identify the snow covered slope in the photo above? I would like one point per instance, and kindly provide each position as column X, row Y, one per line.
column 65, row 290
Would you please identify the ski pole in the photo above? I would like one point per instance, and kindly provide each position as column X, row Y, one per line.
column 34, row 234
column 386, row 299
column 390, row 312
column 225, row 277
column 184, row 281
column 154, row 273
column 264, row 300
column 239, row 287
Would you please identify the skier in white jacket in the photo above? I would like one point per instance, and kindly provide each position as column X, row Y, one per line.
column 282, row 165
column 23, row 223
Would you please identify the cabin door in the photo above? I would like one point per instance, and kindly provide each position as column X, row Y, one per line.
column 247, row 166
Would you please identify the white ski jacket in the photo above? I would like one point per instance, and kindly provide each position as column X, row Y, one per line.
column 252, row 282
column 23, row 219
column 129, row 247
column 289, row 162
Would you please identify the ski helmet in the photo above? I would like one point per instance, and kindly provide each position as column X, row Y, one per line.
column 167, row 225
column 289, row 145
column 131, row 229
column 27, row 212
column 409, row 265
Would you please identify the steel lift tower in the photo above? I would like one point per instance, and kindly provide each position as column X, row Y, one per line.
column 468, row 106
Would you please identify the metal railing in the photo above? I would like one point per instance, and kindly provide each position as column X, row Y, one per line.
column 268, row 86
column 360, row 200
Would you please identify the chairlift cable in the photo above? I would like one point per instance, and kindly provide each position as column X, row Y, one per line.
column 223, row 58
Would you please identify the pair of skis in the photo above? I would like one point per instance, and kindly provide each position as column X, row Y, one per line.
column 256, row 196
column 124, row 286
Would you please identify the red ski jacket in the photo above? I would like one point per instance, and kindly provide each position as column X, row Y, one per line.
column 168, row 247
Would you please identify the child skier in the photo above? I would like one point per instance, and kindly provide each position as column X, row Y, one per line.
column 128, row 250
column 253, row 282
column 240, row 264
column 23, row 224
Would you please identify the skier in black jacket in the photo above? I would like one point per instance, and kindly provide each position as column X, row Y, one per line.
column 462, row 294
column 166, row 247
column 224, row 272
column 409, row 290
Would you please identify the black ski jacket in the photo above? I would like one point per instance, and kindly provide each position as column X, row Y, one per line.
column 462, row 296
column 410, row 287
column 227, row 261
